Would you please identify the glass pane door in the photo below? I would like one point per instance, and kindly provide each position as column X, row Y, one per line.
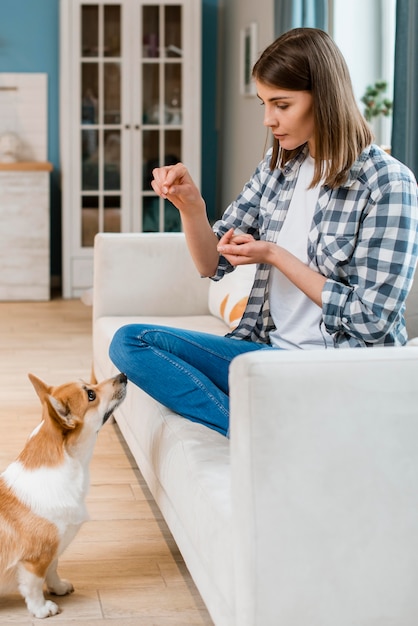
column 161, row 81
column 100, row 120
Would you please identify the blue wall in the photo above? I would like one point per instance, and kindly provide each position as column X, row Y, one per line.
column 29, row 42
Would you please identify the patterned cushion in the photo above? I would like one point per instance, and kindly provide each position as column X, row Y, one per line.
column 228, row 297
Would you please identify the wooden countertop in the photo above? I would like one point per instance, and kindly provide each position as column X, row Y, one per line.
column 26, row 166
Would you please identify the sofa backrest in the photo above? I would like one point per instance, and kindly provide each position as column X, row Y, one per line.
column 163, row 259
column 228, row 297
column 146, row 274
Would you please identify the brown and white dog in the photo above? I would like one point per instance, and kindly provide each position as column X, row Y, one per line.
column 42, row 493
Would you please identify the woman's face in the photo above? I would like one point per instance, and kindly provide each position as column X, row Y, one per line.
column 289, row 114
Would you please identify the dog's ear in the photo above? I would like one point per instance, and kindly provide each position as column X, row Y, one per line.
column 40, row 387
column 61, row 413
column 57, row 410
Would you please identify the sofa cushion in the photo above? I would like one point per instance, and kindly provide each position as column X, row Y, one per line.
column 107, row 326
column 228, row 297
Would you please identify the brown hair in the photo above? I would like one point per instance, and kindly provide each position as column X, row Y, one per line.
column 307, row 59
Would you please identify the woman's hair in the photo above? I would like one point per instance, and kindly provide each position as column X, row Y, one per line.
column 307, row 59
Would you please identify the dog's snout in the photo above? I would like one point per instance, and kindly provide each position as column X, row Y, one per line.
column 122, row 379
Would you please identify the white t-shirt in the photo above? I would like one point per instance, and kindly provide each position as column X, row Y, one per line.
column 296, row 317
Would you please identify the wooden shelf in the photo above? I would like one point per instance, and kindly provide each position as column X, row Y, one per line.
column 26, row 166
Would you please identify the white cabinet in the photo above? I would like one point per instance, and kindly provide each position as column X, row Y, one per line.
column 130, row 101
column 24, row 234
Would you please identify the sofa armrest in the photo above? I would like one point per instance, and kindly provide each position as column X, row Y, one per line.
column 411, row 313
column 324, row 461
column 146, row 274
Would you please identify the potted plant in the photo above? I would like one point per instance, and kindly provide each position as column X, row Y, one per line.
column 375, row 102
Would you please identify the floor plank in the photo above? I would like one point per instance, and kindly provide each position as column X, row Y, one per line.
column 124, row 564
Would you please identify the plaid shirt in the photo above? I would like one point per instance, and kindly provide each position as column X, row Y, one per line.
column 363, row 239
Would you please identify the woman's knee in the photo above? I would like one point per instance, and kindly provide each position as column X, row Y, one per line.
column 121, row 342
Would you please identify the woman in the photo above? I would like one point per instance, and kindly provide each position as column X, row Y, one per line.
column 329, row 218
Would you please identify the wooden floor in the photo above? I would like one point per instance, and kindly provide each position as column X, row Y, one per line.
column 124, row 564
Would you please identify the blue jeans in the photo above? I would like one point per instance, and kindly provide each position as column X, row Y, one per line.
column 185, row 370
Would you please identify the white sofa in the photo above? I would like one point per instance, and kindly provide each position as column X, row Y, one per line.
column 308, row 515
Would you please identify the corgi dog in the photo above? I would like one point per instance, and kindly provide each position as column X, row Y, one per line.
column 42, row 493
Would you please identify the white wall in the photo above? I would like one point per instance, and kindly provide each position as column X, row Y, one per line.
column 23, row 112
column 351, row 30
column 243, row 134
column 365, row 33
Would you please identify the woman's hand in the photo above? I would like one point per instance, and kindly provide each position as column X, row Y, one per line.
column 243, row 249
column 174, row 183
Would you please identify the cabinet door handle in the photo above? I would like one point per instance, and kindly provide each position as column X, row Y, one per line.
column 127, row 126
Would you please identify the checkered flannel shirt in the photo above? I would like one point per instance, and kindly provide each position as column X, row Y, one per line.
column 363, row 239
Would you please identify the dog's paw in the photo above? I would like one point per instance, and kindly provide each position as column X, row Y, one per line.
column 47, row 610
column 61, row 588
